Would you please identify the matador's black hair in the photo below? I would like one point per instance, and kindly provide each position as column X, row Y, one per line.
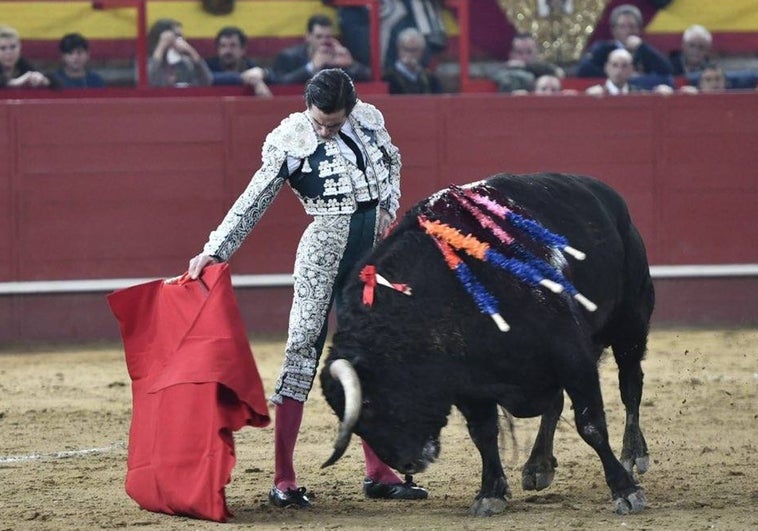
column 331, row 90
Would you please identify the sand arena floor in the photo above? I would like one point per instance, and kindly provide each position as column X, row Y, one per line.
column 65, row 413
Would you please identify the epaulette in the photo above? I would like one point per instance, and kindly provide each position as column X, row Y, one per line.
column 294, row 135
column 367, row 116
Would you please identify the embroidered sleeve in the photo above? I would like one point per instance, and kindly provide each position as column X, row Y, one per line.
column 294, row 137
column 250, row 206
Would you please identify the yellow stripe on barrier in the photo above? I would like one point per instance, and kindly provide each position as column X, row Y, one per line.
column 51, row 20
column 725, row 16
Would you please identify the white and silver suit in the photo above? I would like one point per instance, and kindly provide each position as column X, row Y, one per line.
column 331, row 187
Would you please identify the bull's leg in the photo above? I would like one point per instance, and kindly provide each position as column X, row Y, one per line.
column 584, row 390
column 628, row 356
column 482, row 425
column 539, row 470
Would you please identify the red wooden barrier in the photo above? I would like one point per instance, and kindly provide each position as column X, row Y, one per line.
column 130, row 187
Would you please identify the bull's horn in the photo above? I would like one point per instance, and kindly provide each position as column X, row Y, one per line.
column 344, row 372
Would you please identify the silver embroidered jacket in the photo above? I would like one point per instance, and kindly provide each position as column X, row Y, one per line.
column 326, row 183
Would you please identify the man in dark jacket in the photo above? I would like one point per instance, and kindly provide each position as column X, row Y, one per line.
column 408, row 75
column 231, row 66
column 320, row 50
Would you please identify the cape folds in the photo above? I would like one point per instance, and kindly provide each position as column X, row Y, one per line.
column 194, row 382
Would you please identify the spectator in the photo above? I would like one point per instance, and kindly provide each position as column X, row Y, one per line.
column 394, row 16
column 424, row 15
column 650, row 66
column 17, row 71
column 172, row 61
column 524, row 53
column 339, row 159
column 523, row 66
column 319, row 51
column 73, row 72
column 713, row 72
column 695, row 52
column 231, row 66
column 619, row 70
column 547, row 85
column 408, row 75
column 712, row 79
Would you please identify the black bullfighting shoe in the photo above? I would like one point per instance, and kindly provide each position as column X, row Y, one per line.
column 289, row 498
column 396, row 491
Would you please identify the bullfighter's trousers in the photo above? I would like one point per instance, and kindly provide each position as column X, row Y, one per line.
column 329, row 248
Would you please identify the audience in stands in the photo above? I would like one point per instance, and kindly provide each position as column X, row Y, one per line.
column 649, row 67
column 231, row 66
column 319, row 51
column 73, row 72
column 17, row 71
column 408, row 75
column 523, row 66
column 695, row 53
column 172, row 61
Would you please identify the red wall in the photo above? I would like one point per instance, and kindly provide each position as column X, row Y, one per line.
column 130, row 187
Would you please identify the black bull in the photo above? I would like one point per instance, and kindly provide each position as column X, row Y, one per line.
column 413, row 357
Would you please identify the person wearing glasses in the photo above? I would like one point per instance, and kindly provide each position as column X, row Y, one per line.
column 408, row 75
column 339, row 160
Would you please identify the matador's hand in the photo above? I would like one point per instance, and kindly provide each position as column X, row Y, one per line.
column 198, row 263
column 385, row 220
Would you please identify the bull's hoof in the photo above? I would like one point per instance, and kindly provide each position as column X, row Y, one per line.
column 634, row 451
column 641, row 463
column 538, row 476
column 631, row 503
column 488, row 506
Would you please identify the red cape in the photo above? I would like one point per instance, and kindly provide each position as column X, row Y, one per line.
column 194, row 381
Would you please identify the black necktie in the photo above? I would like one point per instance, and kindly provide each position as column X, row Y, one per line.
column 354, row 147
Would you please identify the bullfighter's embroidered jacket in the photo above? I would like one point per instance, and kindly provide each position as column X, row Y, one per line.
column 326, row 182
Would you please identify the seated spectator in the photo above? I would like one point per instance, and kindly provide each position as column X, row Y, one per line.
column 424, row 15
column 547, row 85
column 394, row 17
column 320, row 50
column 523, row 66
column 17, row 71
column 651, row 67
column 408, row 75
column 231, row 66
column 73, row 72
column 712, row 74
column 695, row 53
column 712, row 79
column 172, row 61
column 619, row 70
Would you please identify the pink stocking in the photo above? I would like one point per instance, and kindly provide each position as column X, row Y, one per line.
column 288, row 417
column 376, row 469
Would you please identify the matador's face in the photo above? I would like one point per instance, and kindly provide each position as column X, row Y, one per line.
column 327, row 125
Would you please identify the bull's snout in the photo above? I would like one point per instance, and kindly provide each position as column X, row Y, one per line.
column 429, row 455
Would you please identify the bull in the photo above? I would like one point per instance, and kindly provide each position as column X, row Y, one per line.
column 415, row 337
